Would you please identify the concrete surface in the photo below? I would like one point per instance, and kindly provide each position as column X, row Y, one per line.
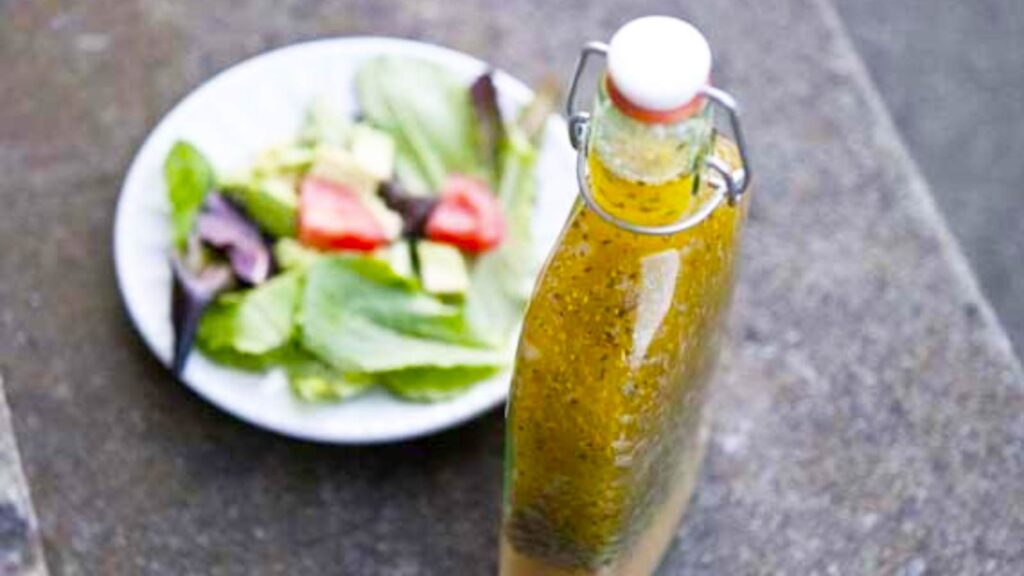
column 952, row 72
column 868, row 410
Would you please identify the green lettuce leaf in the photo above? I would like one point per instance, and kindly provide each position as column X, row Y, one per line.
column 314, row 381
column 501, row 281
column 427, row 110
column 372, row 289
column 428, row 384
column 189, row 177
column 359, row 316
column 252, row 327
column 243, row 361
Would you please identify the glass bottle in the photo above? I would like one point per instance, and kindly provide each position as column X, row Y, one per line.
column 605, row 423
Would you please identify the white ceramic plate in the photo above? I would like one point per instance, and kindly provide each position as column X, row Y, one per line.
column 230, row 118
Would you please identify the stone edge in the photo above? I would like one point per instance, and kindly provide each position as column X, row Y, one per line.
column 917, row 184
column 21, row 551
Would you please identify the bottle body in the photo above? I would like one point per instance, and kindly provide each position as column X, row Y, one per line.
column 606, row 423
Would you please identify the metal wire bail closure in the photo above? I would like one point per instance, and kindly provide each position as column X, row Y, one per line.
column 729, row 185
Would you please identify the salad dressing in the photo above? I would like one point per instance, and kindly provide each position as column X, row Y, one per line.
column 605, row 422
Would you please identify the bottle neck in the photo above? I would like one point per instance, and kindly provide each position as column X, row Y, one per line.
column 648, row 173
column 646, row 152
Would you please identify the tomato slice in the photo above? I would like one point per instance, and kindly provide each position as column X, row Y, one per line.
column 332, row 217
column 468, row 216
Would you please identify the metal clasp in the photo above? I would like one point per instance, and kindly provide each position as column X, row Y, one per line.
column 730, row 185
column 736, row 182
column 578, row 120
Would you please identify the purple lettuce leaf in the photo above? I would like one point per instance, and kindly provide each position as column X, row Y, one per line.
column 490, row 128
column 414, row 210
column 225, row 227
column 196, row 283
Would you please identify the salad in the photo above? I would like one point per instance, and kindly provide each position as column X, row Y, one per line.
column 392, row 249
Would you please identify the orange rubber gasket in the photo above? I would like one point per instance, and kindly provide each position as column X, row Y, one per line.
column 653, row 116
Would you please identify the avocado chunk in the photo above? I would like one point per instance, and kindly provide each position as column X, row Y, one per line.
column 271, row 202
column 283, row 160
column 341, row 167
column 399, row 257
column 374, row 150
column 290, row 254
column 442, row 269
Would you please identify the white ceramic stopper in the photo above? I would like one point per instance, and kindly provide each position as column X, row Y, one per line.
column 659, row 63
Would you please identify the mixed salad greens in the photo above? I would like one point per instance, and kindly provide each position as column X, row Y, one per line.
column 392, row 250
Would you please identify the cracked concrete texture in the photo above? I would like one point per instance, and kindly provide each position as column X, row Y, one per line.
column 868, row 411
